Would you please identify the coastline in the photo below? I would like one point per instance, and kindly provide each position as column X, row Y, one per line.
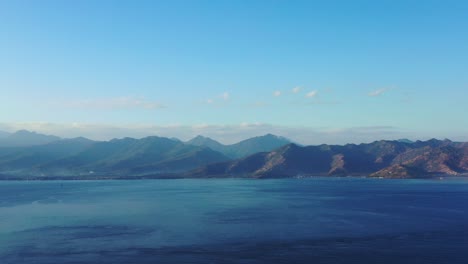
column 181, row 176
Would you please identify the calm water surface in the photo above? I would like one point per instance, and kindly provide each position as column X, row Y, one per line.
column 339, row 220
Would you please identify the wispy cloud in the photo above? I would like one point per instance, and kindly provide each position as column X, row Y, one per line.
column 276, row 93
column 124, row 102
column 296, row 89
column 377, row 92
column 219, row 100
column 225, row 96
column 311, row 94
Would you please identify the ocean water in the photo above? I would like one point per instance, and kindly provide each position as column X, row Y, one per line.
column 316, row 220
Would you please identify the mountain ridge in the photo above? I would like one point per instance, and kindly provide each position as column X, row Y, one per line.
column 242, row 148
column 161, row 157
column 23, row 138
column 382, row 159
column 135, row 156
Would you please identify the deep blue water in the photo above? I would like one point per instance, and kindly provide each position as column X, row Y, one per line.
column 318, row 220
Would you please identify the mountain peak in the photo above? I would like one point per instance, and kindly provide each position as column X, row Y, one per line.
column 24, row 132
column 26, row 138
column 80, row 139
column 200, row 140
column 200, row 137
column 268, row 138
column 269, row 135
column 243, row 148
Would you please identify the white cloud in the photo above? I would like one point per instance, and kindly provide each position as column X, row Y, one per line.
column 311, row 94
column 276, row 93
column 220, row 100
column 200, row 126
column 225, row 96
column 124, row 102
column 377, row 92
column 250, row 125
column 296, row 89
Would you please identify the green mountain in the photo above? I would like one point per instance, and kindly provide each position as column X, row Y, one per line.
column 244, row 148
column 140, row 156
column 118, row 157
column 19, row 159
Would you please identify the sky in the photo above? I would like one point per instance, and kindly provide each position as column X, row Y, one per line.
column 313, row 71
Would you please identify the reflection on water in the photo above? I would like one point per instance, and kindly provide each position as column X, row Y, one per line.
column 339, row 220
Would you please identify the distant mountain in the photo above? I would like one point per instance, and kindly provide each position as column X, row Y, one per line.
column 142, row 156
column 23, row 138
column 122, row 157
column 208, row 142
column 4, row 134
column 257, row 144
column 26, row 159
column 244, row 148
column 389, row 159
column 175, row 139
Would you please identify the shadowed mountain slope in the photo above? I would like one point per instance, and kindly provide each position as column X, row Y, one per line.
column 391, row 159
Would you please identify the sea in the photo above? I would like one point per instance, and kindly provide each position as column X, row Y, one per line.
column 309, row 220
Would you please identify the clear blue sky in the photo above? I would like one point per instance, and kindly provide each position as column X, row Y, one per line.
column 332, row 71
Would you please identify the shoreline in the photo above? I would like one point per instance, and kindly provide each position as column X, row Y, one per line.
column 178, row 177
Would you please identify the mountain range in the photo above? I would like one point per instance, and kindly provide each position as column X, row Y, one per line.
column 386, row 159
column 41, row 155
column 269, row 156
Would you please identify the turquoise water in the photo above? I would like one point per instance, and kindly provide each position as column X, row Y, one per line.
column 317, row 220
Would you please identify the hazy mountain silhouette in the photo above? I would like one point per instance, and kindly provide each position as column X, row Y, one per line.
column 18, row 159
column 26, row 138
column 126, row 156
column 4, row 134
column 243, row 148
